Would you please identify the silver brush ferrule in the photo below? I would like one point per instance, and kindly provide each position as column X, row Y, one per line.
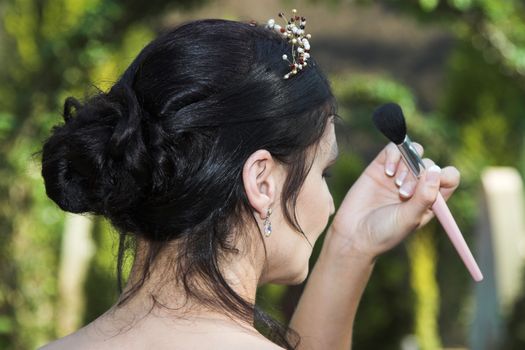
column 411, row 157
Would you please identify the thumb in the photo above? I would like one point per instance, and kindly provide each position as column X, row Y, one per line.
column 411, row 212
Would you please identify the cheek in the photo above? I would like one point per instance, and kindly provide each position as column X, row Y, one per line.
column 314, row 207
column 290, row 252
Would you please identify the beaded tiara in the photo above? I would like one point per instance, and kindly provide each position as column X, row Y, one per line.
column 294, row 32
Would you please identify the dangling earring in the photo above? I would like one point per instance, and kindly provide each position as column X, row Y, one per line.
column 267, row 223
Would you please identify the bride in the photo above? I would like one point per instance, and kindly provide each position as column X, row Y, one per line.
column 210, row 154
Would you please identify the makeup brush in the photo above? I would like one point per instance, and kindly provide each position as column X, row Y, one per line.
column 389, row 119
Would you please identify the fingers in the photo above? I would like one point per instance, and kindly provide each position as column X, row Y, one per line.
column 394, row 165
column 403, row 172
column 420, row 150
column 427, row 189
column 402, row 176
column 392, row 159
column 422, row 194
column 450, row 179
column 411, row 212
column 409, row 184
column 418, row 194
column 406, row 181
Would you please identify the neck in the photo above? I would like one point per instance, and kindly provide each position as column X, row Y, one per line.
column 164, row 287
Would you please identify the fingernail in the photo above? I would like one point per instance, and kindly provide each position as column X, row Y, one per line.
column 433, row 173
column 406, row 189
column 401, row 177
column 390, row 168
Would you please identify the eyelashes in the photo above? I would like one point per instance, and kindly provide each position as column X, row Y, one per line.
column 327, row 173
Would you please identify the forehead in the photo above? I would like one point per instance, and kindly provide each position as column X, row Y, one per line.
column 328, row 139
column 328, row 142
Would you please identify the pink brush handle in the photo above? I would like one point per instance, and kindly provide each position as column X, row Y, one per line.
column 444, row 216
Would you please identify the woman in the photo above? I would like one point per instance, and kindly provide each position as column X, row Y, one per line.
column 214, row 165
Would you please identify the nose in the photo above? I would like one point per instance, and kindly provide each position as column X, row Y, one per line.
column 332, row 206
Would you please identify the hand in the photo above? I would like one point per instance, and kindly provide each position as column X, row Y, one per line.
column 376, row 215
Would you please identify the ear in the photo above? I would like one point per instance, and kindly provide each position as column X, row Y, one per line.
column 260, row 175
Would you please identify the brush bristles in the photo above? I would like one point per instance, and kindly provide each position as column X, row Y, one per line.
column 389, row 119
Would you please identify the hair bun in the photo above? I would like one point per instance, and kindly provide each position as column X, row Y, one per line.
column 97, row 161
column 65, row 169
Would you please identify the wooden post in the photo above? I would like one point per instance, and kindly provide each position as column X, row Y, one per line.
column 504, row 190
column 501, row 234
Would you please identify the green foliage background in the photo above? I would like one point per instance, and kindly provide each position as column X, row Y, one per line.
column 56, row 48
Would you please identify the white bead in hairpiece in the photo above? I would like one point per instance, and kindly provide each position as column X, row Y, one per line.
column 293, row 31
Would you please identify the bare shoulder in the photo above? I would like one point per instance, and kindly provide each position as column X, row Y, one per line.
column 64, row 343
column 250, row 342
column 235, row 341
column 161, row 334
column 76, row 340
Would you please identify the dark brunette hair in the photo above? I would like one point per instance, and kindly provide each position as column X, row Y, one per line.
column 161, row 153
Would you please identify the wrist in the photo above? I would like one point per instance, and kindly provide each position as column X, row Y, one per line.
column 340, row 251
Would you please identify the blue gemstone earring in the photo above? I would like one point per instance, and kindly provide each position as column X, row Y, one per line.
column 267, row 223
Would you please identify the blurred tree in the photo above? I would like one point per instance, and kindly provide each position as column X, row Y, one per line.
column 515, row 337
column 387, row 307
column 422, row 251
column 479, row 122
column 50, row 49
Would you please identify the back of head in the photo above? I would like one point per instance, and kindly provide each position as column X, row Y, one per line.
column 161, row 153
column 163, row 150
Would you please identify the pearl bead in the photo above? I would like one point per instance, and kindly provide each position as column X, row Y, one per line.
column 294, row 31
